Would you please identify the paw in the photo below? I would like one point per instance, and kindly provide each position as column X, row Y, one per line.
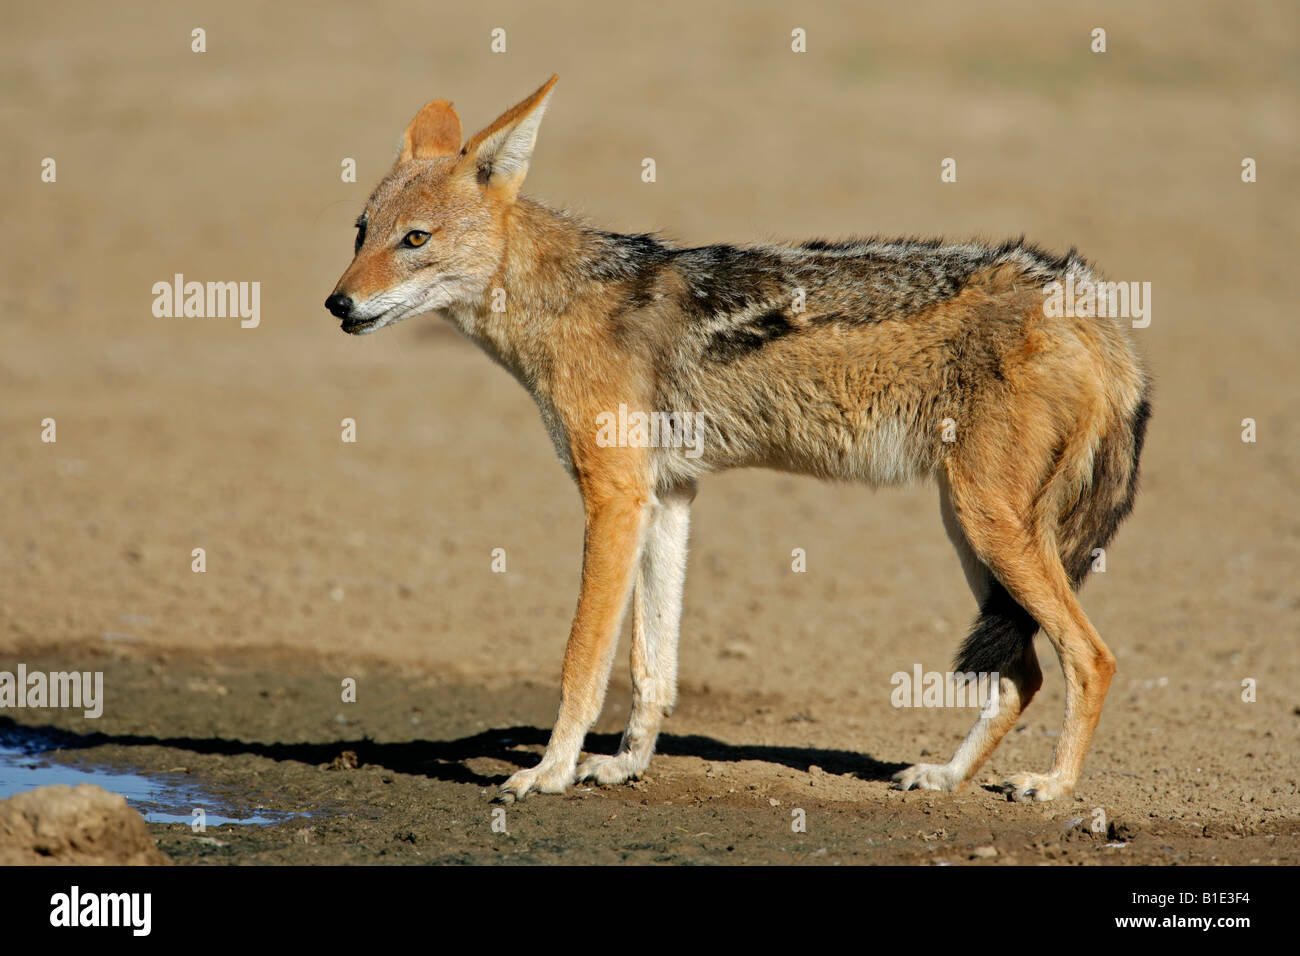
column 619, row 768
column 539, row 779
column 1035, row 787
column 925, row 776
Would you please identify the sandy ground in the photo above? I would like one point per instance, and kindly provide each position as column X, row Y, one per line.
column 373, row 560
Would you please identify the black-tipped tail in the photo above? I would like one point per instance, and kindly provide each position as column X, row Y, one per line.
column 999, row 637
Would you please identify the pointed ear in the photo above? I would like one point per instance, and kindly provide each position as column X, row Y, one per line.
column 434, row 132
column 499, row 155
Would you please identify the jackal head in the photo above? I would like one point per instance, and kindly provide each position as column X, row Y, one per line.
column 432, row 233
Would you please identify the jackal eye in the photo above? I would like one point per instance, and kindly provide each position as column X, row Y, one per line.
column 361, row 235
column 415, row 238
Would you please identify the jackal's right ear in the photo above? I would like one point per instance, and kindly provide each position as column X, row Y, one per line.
column 499, row 155
column 434, row 132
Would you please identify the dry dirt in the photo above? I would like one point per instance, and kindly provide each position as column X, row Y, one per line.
column 372, row 560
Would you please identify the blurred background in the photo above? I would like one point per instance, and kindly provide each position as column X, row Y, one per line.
column 175, row 434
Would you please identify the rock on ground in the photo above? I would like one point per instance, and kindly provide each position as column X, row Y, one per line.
column 74, row 825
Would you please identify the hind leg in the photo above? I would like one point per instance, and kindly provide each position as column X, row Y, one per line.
column 1028, row 567
column 1015, row 687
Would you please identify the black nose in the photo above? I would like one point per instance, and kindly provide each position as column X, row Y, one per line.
column 339, row 305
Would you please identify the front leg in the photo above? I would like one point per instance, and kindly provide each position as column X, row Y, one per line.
column 615, row 528
column 656, row 619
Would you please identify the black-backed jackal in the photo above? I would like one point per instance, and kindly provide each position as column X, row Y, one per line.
column 844, row 360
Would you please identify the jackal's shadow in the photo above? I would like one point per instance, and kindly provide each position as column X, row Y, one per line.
column 449, row 759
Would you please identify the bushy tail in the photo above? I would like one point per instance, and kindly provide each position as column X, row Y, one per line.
column 1094, row 517
column 1004, row 628
column 999, row 636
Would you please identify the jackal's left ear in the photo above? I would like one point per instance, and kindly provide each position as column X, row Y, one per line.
column 499, row 155
column 434, row 132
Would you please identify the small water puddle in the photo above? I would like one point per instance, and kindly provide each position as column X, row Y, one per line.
column 159, row 797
